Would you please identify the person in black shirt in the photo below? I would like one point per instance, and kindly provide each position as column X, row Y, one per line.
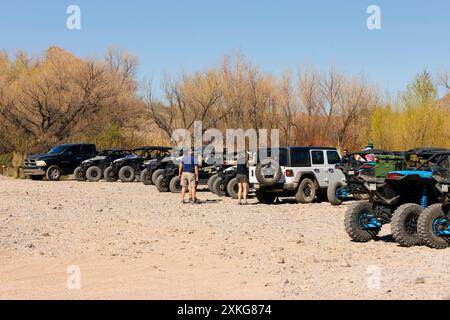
column 242, row 177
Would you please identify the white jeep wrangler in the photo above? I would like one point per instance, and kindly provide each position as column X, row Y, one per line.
column 300, row 172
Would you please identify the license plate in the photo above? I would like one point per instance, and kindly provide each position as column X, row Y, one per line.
column 445, row 188
column 372, row 187
column 352, row 173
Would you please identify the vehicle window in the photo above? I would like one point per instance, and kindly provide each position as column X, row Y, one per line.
column 333, row 157
column 57, row 149
column 75, row 149
column 317, row 157
column 300, row 157
column 281, row 157
column 87, row 149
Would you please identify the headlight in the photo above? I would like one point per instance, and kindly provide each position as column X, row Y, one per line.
column 41, row 163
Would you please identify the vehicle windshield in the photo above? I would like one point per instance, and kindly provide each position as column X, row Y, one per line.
column 58, row 149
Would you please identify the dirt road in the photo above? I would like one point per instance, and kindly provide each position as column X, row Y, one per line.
column 129, row 241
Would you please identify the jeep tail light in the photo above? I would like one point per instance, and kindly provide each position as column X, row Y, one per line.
column 289, row 173
column 394, row 176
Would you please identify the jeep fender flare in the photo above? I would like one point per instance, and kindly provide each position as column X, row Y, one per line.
column 305, row 174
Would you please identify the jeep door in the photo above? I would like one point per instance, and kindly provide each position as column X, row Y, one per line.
column 334, row 175
column 320, row 167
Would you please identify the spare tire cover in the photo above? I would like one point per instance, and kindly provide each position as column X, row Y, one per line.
column 268, row 172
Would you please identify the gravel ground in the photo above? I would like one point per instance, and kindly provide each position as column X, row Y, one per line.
column 130, row 241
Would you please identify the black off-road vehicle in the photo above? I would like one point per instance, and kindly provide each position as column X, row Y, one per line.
column 129, row 168
column 433, row 225
column 60, row 160
column 168, row 180
column 400, row 199
column 92, row 169
column 224, row 183
column 156, row 165
column 359, row 168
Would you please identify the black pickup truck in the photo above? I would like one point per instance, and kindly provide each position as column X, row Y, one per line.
column 60, row 160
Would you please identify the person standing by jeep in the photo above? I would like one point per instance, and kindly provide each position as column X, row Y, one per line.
column 188, row 175
column 242, row 178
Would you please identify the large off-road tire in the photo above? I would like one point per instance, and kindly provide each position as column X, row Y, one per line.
column 220, row 188
column 175, row 185
column 126, row 174
column 353, row 225
column 161, row 184
column 262, row 168
column 94, row 174
column 332, row 193
column 109, row 175
column 211, row 181
column 37, row 178
column 306, row 192
column 79, row 175
column 404, row 224
column 265, row 197
column 426, row 228
column 146, row 177
column 233, row 188
column 53, row 173
column 156, row 174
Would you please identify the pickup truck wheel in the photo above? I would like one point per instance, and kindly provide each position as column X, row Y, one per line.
column 156, row 174
column 109, row 175
column 79, row 175
column 220, row 188
column 211, row 181
column 265, row 197
column 53, row 173
column 94, row 174
column 233, row 188
column 334, row 193
column 37, row 178
column 146, row 177
column 175, row 185
column 126, row 174
column 306, row 192
column 161, row 184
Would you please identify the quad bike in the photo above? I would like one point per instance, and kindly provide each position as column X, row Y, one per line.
column 399, row 200
column 433, row 225
column 358, row 169
column 129, row 168
column 92, row 169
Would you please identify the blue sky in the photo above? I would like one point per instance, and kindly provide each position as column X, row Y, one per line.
column 171, row 36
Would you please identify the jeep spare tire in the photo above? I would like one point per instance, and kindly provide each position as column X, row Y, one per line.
column 268, row 172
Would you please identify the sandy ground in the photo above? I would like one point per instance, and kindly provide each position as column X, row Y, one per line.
column 131, row 242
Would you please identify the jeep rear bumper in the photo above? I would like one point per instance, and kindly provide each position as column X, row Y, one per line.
column 277, row 187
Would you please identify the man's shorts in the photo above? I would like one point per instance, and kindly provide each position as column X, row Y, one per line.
column 187, row 179
column 241, row 178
